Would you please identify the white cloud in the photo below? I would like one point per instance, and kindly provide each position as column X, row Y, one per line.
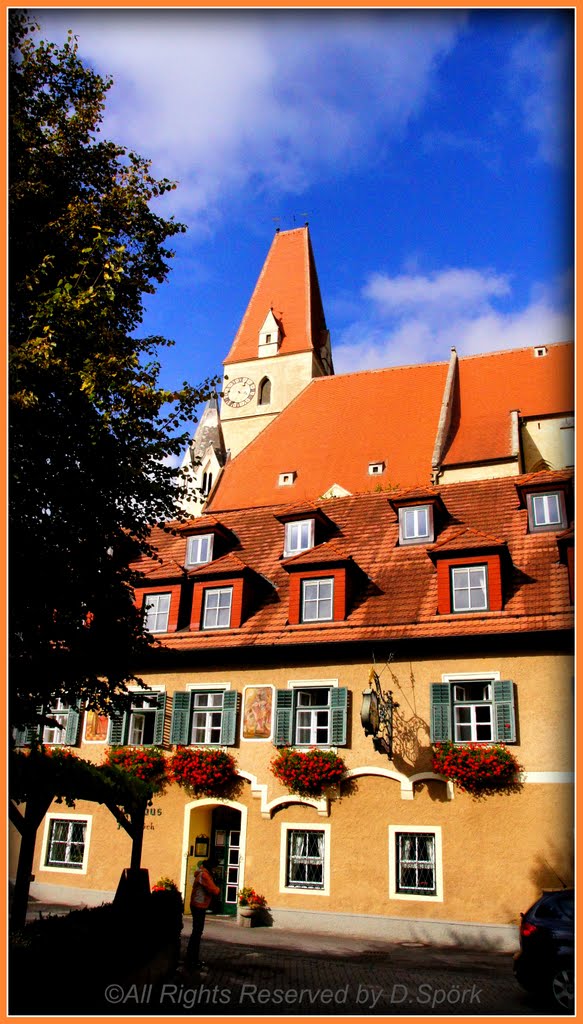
column 225, row 100
column 541, row 79
column 415, row 318
column 447, row 289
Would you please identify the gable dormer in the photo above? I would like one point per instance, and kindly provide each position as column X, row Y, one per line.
column 269, row 336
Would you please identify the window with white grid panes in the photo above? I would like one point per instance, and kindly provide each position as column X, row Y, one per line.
column 305, row 858
column 473, row 712
column 157, row 610
column 299, row 536
column 317, row 600
column 66, row 843
column 469, row 588
column 199, row 550
column 217, row 608
column 207, row 717
column 546, row 511
column 56, row 733
column 312, row 716
column 142, row 719
column 415, row 858
column 415, row 524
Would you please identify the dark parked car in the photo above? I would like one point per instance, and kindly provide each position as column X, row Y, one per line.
column 546, row 962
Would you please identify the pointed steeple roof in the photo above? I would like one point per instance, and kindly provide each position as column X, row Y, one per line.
column 287, row 285
column 209, row 433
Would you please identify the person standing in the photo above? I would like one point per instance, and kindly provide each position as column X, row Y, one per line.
column 203, row 890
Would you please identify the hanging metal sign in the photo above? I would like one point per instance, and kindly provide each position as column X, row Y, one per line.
column 376, row 715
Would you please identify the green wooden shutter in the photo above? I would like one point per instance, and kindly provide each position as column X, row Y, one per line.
column 440, row 712
column 159, row 723
column 117, row 727
column 229, row 720
column 72, row 727
column 180, row 718
column 504, row 716
column 338, row 715
column 283, row 718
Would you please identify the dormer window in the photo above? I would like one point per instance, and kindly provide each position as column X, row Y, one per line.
column 469, row 588
column 375, row 468
column 299, row 536
column 269, row 337
column 416, row 524
column 156, row 609
column 546, row 511
column 199, row 549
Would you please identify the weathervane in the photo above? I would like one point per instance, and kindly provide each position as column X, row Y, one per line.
column 376, row 715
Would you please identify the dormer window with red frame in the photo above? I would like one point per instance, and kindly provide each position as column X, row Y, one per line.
column 317, row 600
column 470, row 568
column 160, row 605
column 217, row 604
column 469, row 588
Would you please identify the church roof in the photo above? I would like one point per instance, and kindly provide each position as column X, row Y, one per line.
column 288, row 285
column 337, row 426
column 492, row 385
column 333, row 430
column 209, row 433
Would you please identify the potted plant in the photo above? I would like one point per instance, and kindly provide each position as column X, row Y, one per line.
column 203, row 771
column 478, row 768
column 251, row 903
column 308, row 772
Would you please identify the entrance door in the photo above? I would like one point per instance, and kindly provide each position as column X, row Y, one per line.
column 226, row 844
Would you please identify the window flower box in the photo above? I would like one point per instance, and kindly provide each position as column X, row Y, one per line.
column 478, row 768
column 203, row 772
column 145, row 763
column 308, row 772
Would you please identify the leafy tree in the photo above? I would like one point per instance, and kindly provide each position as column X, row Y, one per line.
column 92, row 432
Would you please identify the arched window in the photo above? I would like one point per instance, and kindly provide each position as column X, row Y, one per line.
column 264, row 392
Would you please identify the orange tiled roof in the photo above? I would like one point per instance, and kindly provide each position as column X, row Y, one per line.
column 491, row 386
column 287, row 284
column 397, row 595
column 332, row 431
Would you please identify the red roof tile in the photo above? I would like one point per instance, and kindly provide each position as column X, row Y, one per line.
column 332, row 431
column 491, row 386
column 287, row 284
column 397, row 589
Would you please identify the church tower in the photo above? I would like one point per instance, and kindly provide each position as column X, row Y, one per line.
column 281, row 345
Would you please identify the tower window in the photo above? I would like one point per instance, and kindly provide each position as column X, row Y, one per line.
column 265, row 390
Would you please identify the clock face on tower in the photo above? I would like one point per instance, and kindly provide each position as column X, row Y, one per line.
column 239, row 391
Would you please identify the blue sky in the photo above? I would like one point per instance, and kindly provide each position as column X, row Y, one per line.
column 430, row 151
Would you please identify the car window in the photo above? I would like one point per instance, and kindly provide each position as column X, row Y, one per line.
column 556, row 906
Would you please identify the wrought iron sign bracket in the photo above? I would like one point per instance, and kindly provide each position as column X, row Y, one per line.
column 376, row 715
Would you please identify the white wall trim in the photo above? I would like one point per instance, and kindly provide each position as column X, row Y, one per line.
column 434, row 830
column 406, row 782
column 304, row 826
column 211, row 802
column 552, row 778
column 55, row 816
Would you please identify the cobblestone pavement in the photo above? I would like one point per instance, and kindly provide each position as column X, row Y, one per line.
column 246, row 976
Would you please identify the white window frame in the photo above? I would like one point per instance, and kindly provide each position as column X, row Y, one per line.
column 317, row 581
column 156, row 613
column 212, row 716
column 287, row 479
column 196, row 543
column 376, row 468
column 54, row 735
column 206, row 610
column 49, row 818
column 455, row 678
column 311, row 684
column 296, row 527
column 304, row 826
column 471, row 705
column 416, row 537
column 455, row 569
column 394, row 894
column 546, row 524
column 140, row 712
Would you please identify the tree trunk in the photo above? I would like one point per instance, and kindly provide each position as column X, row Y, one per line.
column 33, row 815
column 137, row 816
